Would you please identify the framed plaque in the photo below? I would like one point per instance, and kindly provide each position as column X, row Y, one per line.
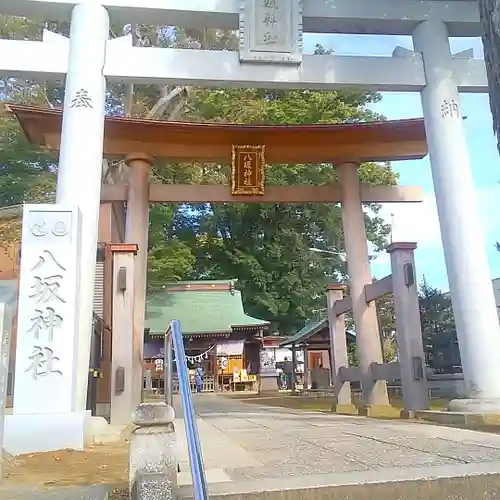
column 247, row 170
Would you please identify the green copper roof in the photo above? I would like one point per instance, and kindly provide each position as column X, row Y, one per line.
column 310, row 329
column 305, row 333
column 199, row 311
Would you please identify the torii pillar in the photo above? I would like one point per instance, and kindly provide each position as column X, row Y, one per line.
column 476, row 318
column 136, row 232
column 368, row 345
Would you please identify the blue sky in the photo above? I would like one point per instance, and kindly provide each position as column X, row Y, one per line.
column 482, row 149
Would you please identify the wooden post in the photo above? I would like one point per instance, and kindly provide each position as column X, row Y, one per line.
column 306, row 368
column 365, row 316
column 123, row 361
column 408, row 328
column 168, row 370
column 294, row 369
column 338, row 349
column 136, row 232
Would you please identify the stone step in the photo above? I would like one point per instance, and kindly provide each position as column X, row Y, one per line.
column 455, row 482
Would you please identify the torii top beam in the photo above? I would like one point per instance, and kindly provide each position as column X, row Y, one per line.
column 211, row 142
column 390, row 17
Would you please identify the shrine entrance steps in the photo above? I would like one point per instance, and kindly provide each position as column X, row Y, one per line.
column 263, row 453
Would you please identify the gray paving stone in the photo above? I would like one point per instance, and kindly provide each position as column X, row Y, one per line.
column 464, row 452
column 296, row 444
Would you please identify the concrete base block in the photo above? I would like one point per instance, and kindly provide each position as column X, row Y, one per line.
column 347, row 409
column 458, row 418
column 486, row 406
column 268, row 384
column 377, row 411
column 153, row 453
column 103, row 409
column 110, row 434
column 45, row 432
column 408, row 414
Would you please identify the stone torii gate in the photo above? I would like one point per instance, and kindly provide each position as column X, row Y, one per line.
column 88, row 60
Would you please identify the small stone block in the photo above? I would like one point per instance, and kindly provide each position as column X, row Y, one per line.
column 408, row 414
column 347, row 409
column 378, row 411
column 152, row 414
column 152, row 486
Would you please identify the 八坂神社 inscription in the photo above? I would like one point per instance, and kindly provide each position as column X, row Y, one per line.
column 47, row 278
column 247, row 170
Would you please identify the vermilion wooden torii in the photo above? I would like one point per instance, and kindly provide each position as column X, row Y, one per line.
column 343, row 145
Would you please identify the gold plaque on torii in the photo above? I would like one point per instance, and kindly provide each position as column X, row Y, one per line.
column 247, row 170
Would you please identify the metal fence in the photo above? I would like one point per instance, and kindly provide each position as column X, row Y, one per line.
column 174, row 338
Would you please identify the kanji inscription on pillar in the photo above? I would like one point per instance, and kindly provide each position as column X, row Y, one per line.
column 247, row 170
column 450, row 109
column 47, row 319
column 271, row 31
column 81, row 99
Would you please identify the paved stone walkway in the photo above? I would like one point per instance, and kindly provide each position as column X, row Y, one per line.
column 247, row 443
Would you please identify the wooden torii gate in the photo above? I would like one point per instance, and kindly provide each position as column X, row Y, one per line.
column 344, row 146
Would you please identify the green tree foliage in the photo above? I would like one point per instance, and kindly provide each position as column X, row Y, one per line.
column 265, row 246
column 387, row 327
column 438, row 330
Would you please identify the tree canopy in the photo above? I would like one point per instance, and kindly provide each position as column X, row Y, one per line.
column 265, row 246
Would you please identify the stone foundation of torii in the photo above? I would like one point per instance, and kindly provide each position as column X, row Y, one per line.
column 89, row 59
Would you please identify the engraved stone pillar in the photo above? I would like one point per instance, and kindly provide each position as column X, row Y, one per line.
column 46, row 411
column 408, row 328
column 122, row 381
column 80, row 160
column 368, row 345
column 153, row 453
column 136, row 232
column 338, row 349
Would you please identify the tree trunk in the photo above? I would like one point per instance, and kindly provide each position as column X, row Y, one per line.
column 490, row 19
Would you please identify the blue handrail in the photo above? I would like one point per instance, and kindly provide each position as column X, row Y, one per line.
column 200, row 488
